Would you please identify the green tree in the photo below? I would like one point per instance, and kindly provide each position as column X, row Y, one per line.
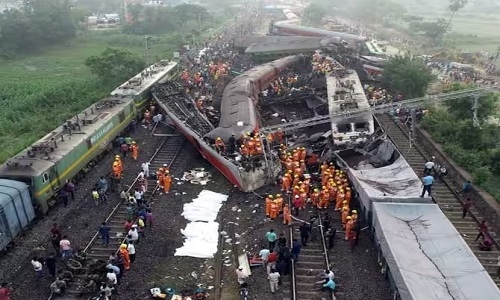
column 40, row 23
column 313, row 15
column 184, row 18
column 407, row 74
column 434, row 31
column 454, row 6
column 115, row 65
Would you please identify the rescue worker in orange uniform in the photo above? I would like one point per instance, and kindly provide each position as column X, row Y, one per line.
column 339, row 200
column 285, row 183
column 274, row 210
column 295, row 191
column 345, row 213
column 135, row 150
column 325, row 178
column 167, row 182
column 279, row 202
column 354, row 216
column 324, row 198
column 250, row 145
column 349, row 226
column 297, row 169
column 118, row 159
column 147, row 117
column 244, row 151
column 315, row 198
column 307, row 183
column 296, row 180
column 125, row 255
column 348, row 195
column 289, row 164
column 159, row 176
column 287, row 217
column 303, row 199
column 219, row 145
column 117, row 172
column 269, row 201
column 302, row 154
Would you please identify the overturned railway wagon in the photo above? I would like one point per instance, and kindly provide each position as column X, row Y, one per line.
column 238, row 115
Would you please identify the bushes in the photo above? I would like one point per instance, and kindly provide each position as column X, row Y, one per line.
column 26, row 116
column 473, row 148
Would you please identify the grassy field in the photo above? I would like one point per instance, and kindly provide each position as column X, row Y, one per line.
column 40, row 91
column 472, row 31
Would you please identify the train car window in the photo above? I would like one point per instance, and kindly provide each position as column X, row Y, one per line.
column 121, row 116
column 45, row 177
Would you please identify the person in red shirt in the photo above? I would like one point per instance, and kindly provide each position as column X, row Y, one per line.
column 56, row 235
column 466, row 207
column 271, row 261
column 483, row 229
column 4, row 292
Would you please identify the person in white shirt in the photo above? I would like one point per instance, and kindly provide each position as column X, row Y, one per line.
column 324, row 275
column 242, row 276
column 138, row 195
column 134, row 234
column 37, row 266
column 112, row 277
column 274, row 278
column 429, row 166
column 131, row 251
column 145, row 169
column 264, row 254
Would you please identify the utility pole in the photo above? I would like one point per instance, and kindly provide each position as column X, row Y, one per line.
column 475, row 107
column 146, row 49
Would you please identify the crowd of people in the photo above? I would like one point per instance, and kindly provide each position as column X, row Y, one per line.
column 324, row 65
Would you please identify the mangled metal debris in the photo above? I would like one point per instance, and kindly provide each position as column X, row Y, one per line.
column 197, row 176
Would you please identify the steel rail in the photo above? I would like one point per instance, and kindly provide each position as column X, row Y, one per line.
column 450, row 185
column 96, row 235
column 293, row 282
column 325, row 249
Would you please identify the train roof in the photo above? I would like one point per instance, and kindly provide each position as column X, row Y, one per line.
column 40, row 156
column 285, row 43
column 340, row 97
column 427, row 256
column 290, row 25
column 374, row 48
column 145, row 80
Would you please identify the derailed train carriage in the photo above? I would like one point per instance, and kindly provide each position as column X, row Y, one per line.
column 238, row 115
column 32, row 179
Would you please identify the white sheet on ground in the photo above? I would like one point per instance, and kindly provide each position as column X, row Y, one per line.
column 205, row 207
column 427, row 256
column 201, row 235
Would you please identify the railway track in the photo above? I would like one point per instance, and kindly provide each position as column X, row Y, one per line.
column 313, row 259
column 167, row 154
column 444, row 194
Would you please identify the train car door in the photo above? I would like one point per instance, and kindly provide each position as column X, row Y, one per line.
column 54, row 178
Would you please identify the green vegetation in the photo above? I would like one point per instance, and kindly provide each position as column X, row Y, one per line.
column 115, row 65
column 313, row 15
column 407, row 74
column 476, row 149
column 43, row 86
column 39, row 24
